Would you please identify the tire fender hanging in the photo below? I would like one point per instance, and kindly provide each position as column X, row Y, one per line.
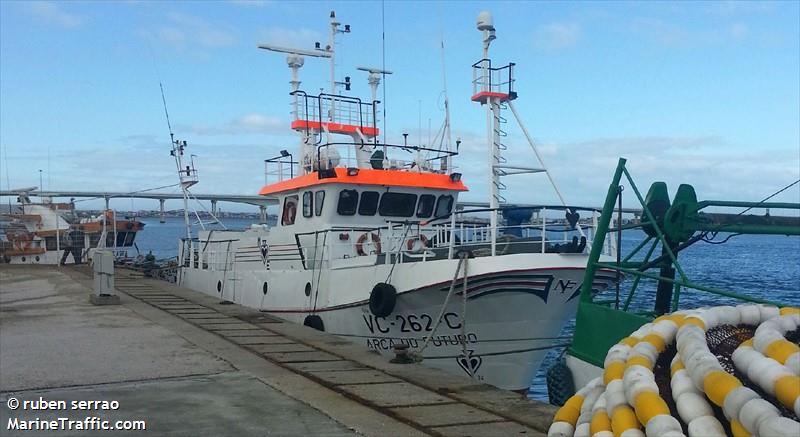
column 382, row 299
column 314, row 321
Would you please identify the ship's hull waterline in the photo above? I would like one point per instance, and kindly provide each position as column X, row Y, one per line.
column 516, row 307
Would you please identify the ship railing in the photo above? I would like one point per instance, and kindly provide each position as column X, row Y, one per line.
column 486, row 78
column 415, row 241
column 279, row 167
column 539, row 228
column 381, row 156
column 334, row 109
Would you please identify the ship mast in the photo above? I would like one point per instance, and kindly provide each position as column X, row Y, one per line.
column 295, row 59
column 486, row 26
column 187, row 175
column 494, row 87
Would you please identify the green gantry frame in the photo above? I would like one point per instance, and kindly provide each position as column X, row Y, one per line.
column 601, row 323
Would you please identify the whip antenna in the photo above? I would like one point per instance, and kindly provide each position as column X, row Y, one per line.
column 383, row 63
column 166, row 113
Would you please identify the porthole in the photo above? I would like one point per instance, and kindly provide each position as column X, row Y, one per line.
column 265, row 288
column 23, row 259
column 37, row 258
column 219, row 286
column 308, row 289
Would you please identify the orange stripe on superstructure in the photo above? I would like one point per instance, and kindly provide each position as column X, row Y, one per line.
column 368, row 176
column 337, row 128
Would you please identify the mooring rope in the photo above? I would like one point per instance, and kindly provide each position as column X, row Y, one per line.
column 462, row 260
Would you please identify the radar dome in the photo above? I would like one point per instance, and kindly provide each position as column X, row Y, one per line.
column 485, row 21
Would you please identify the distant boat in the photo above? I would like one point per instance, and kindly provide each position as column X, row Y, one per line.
column 50, row 233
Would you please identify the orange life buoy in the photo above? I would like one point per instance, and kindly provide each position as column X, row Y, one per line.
column 22, row 242
column 376, row 241
column 421, row 238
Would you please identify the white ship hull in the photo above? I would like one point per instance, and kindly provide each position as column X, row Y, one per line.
column 516, row 306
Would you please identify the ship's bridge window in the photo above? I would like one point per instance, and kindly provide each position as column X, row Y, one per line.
column 129, row 239
column 445, row 205
column 319, row 200
column 289, row 210
column 397, row 204
column 348, row 200
column 369, row 203
column 425, row 206
column 308, row 204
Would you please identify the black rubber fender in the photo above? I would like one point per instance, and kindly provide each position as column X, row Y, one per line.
column 560, row 384
column 382, row 299
column 314, row 321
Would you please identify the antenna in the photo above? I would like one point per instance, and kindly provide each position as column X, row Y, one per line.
column 166, row 113
column 383, row 65
column 319, row 53
column 187, row 176
column 486, row 25
column 446, row 137
column 374, row 78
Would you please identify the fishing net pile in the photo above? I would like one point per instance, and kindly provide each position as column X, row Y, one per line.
column 707, row 372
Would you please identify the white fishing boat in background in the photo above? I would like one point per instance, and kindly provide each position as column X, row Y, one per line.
column 370, row 246
column 47, row 232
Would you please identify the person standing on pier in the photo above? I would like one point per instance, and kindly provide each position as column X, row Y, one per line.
column 73, row 243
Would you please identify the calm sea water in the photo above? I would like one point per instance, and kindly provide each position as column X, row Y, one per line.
column 763, row 266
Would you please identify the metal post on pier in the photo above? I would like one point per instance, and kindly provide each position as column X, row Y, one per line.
column 105, row 225
column 263, row 213
column 161, row 218
column 214, row 208
column 103, row 268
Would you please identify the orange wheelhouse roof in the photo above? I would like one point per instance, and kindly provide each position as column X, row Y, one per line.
column 368, row 176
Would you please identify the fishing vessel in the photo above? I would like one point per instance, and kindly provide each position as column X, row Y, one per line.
column 669, row 356
column 48, row 232
column 369, row 244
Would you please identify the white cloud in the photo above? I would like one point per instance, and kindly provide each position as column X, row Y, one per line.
column 51, row 13
column 187, row 33
column 557, row 36
column 670, row 34
column 583, row 169
column 247, row 124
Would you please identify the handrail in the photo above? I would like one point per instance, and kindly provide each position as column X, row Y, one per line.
column 407, row 148
column 485, row 65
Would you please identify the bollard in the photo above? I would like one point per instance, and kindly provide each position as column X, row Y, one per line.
column 401, row 355
column 103, row 267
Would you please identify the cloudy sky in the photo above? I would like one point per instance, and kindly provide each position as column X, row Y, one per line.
column 705, row 93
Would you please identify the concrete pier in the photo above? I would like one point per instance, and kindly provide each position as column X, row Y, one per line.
column 187, row 365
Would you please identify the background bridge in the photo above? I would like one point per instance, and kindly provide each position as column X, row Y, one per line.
column 260, row 201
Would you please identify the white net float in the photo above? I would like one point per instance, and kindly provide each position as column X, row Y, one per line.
column 753, row 391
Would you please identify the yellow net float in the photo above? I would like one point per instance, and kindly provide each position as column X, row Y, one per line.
column 627, row 400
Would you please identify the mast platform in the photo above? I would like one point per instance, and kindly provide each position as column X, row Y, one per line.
column 483, row 96
column 335, row 128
